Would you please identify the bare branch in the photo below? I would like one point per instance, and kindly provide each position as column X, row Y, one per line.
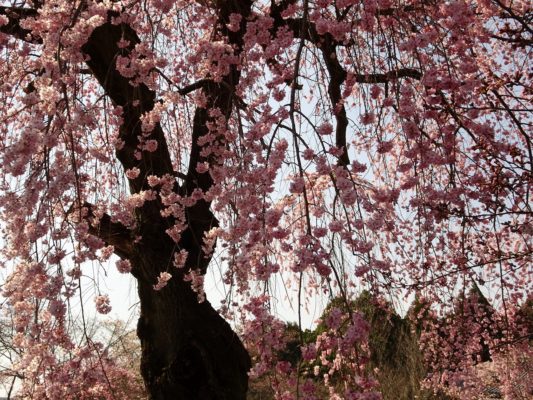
column 112, row 233
column 194, row 86
column 389, row 76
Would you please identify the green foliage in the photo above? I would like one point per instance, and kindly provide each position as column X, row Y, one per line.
column 294, row 338
column 395, row 356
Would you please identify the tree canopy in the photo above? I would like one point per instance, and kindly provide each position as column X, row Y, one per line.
column 293, row 149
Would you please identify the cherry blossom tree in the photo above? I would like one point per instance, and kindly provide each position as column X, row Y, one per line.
column 321, row 147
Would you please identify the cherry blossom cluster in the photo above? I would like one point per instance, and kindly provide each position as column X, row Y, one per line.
column 370, row 144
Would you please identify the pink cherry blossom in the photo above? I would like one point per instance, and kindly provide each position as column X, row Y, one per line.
column 102, row 303
column 162, row 280
column 297, row 155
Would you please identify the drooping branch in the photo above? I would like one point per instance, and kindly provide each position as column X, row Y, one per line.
column 327, row 41
column 328, row 47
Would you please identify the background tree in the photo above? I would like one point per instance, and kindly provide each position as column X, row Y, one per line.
column 103, row 363
column 316, row 147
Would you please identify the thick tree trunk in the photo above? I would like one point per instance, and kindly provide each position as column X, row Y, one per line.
column 188, row 350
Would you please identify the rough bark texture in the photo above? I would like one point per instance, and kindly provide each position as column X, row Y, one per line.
column 188, row 350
